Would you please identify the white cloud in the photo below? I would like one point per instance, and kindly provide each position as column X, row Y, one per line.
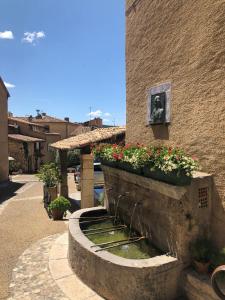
column 9, row 85
column 107, row 114
column 40, row 34
column 106, row 120
column 32, row 37
column 95, row 114
column 8, row 35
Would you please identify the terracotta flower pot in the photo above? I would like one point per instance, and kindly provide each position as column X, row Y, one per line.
column 201, row 267
column 57, row 214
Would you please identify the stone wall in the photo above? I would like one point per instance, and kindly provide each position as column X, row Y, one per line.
column 181, row 42
column 27, row 161
column 4, row 165
column 170, row 216
column 65, row 129
column 28, row 129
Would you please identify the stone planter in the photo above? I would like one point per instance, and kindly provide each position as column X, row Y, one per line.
column 50, row 193
column 112, row 164
column 172, row 178
column 128, row 167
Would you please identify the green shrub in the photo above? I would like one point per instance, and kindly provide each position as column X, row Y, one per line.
column 201, row 250
column 49, row 174
column 60, row 203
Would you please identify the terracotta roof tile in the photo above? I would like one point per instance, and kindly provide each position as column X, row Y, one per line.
column 24, row 121
column 84, row 139
column 24, row 138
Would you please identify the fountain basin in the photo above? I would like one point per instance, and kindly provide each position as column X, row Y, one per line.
column 117, row 278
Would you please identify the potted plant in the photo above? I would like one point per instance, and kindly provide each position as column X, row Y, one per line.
column 58, row 207
column 201, row 252
column 218, row 259
column 49, row 175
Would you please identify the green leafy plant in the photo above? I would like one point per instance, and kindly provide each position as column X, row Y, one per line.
column 49, row 174
column 60, row 203
column 218, row 259
column 73, row 158
column 201, row 250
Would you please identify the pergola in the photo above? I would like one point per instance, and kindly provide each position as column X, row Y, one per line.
column 83, row 142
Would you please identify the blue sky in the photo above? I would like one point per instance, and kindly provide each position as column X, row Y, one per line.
column 64, row 57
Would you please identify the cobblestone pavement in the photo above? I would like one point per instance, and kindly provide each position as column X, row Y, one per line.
column 31, row 278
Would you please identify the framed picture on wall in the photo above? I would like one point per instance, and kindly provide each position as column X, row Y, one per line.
column 159, row 102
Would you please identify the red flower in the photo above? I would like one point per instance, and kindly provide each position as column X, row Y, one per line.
column 115, row 156
column 169, row 150
column 120, row 156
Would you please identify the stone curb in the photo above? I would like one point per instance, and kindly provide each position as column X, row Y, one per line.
column 65, row 278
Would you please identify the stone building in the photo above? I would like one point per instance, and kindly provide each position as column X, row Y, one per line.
column 64, row 127
column 4, row 166
column 94, row 123
column 177, row 48
column 29, row 143
column 27, row 151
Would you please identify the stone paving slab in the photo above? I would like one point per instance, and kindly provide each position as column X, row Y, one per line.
column 61, row 271
column 43, row 273
column 31, row 278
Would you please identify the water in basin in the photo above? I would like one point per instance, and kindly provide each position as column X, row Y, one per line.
column 137, row 250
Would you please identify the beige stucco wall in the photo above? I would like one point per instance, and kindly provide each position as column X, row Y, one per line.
column 49, row 154
column 4, row 166
column 182, row 42
column 63, row 128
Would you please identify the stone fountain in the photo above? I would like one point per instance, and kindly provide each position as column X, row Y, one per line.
column 166, row 216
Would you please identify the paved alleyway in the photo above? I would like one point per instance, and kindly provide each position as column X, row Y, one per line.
column 23, row 221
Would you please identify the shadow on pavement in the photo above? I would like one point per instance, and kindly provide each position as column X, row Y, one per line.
column 8, row 191
column 75, row 204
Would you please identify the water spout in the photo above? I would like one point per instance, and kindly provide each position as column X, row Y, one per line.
column 132, row 216
column 117, row 204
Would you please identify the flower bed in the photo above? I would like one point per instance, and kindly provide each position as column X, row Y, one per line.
column 160, row 163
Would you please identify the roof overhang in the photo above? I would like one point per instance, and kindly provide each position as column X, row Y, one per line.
column 91, row 137
column 24, row 138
